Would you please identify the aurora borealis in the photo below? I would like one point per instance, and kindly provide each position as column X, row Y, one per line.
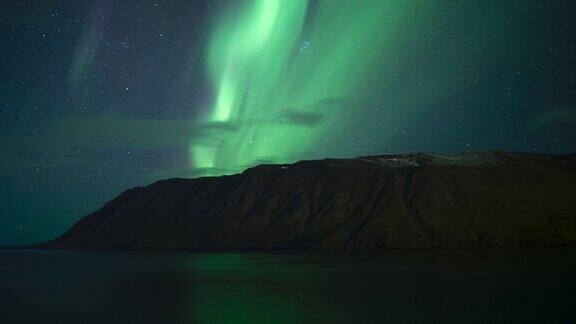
column 262, row 65
column 290, row 76
column 276, row 74
column 100, row 96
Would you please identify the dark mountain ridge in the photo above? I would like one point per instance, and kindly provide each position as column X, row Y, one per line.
column 468, row 199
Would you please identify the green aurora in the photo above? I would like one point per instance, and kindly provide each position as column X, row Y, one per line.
column 282, row 83
column 293, row 77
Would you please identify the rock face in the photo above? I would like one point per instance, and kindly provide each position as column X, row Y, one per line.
column 471, row 199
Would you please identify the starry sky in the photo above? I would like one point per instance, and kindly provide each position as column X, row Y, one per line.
column 100, row 96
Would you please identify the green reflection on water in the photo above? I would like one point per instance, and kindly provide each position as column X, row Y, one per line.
column 236, row 288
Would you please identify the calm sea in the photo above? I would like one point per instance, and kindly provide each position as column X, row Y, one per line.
column 422, row 286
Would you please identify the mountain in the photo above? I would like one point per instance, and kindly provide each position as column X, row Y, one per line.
column 468, row 199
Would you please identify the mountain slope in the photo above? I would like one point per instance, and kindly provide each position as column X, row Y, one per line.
column 467, row 199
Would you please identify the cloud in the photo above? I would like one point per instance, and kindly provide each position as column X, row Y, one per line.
column 76, row 140
column 299, row 118
column 554, row 116
column 116, row 131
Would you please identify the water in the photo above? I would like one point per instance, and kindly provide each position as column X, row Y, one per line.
column 494, row 285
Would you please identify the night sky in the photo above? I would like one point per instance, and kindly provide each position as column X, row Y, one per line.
column 100, row 96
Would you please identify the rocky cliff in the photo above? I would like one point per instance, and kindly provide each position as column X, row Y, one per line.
column 470, row 199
